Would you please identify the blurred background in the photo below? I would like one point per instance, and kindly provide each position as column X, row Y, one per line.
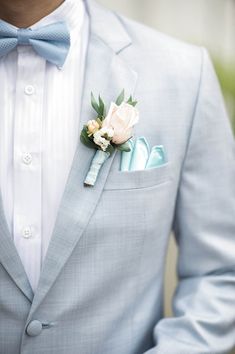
column 209, row 23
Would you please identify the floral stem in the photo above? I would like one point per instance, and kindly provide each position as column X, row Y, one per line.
column 96, row 164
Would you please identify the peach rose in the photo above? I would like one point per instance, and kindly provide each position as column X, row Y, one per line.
column 121, row 119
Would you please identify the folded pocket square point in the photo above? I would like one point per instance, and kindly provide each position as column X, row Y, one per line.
column 140, row 154
column 157, row 157
column 140, row 157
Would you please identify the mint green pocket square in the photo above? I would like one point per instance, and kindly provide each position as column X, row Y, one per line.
column 140, row 156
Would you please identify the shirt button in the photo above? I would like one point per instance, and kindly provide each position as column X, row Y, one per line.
column 29, row 90
column 27, row 158
column 27, row 232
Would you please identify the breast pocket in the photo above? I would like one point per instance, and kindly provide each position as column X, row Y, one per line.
column 127, row 180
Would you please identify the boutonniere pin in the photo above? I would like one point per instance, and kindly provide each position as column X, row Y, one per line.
column 108, row 132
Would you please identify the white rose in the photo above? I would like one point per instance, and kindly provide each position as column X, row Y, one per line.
column 121, row 119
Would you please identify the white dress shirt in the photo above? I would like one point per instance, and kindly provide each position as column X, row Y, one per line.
column 39, row 122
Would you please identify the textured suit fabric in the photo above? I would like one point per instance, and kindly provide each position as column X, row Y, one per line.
column 101, row 286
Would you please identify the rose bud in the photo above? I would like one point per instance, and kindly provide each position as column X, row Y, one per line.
column 92, row 126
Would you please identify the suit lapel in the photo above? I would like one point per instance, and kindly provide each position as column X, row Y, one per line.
column 10, row 258
column 107, row 74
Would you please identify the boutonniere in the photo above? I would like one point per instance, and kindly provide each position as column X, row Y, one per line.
column 108, row 132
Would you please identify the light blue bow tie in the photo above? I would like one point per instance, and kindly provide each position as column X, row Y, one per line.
column 52, row 42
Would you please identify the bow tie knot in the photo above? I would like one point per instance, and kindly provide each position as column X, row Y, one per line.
column 52, row 42
column 23, row 35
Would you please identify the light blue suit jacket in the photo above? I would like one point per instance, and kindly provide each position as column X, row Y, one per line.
column 101, row 285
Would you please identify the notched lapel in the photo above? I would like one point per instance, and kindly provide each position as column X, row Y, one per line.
column 106, row 74
column 10, row 259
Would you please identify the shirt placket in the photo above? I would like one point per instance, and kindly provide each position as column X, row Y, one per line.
column 27, row 215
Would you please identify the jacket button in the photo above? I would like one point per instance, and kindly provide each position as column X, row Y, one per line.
column 34, row 328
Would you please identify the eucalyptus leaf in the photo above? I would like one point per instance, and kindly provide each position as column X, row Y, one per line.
column 129, row 100
column 133, row 103
column 120, row 98
column 101, row 107
column 94, row 103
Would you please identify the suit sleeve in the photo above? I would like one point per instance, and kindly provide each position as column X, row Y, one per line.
column 204, row 228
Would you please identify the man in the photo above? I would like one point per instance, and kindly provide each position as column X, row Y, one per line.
column 81, row 268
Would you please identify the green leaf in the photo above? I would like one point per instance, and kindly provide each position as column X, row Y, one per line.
column 110, row 149
column 120, row 98
column 94, row 103
column 98, row 107
column 101, row 107
column 133, row 103
column 129, row 99
column 86, row 140
column 124, row 147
